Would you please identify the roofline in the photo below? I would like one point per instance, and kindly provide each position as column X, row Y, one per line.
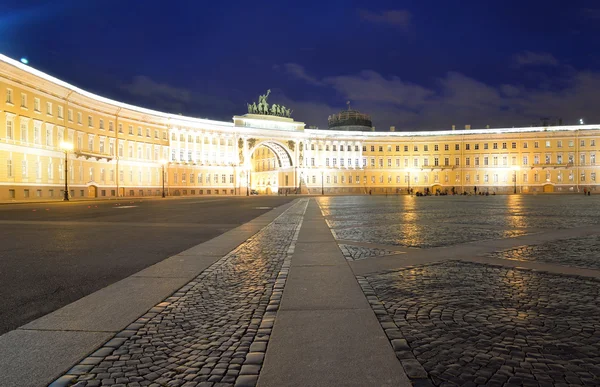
column 192, row 121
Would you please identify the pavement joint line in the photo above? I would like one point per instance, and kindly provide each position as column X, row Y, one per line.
column 65, row 330
column 265, row 326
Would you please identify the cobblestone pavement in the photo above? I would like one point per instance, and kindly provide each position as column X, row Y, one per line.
column 458, row 323
column 356, row 253
column 424, row 236
column 212, row 332
column 578, row 252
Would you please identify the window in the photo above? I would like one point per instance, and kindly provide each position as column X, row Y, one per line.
column 457, row 161
column 547, row 143
column 79, row 118
column 436, row 147
column 467, row 146
column 139, row 131
column 468, row 161
column 9, row 97
column 581, row 142
column 426, row 148
column 397, row 148
column 24, row 131
column 70, row 115
column 24, row 101
column 60, row 112
column 592, row 142
column 536, row 144
column 90, row 121
column 514, row 145
column 416, row 148
column 9, row 168
column 503, row 145
column 524, row 145
column 485, row 146
column 120, row 128
column 486, row 160
column 536, row 159
column 476, row 146
column 101, row 124
column 559, row 144
column 49, row 108
column 406, row 148
column 476, row 161
column 456, row 146
column 571, row 143
column 592, row 159
column 91, row 143
column 9, row 129
column 372, row 148
column 36, row 105
column 495, row 145
column 446, row 147
column 147, row 132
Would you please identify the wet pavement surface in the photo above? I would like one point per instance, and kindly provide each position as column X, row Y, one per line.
column 473, row 324
column 576, row 252
column 212, row 332
column 464, row 323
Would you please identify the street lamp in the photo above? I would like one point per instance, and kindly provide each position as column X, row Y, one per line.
column 66, row 146
column 322, row 174
column 163, row 163
column 515, row 168
column 248, row 181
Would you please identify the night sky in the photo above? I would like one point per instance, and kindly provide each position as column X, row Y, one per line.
column 413, row 64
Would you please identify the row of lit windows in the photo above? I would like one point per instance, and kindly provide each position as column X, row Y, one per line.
column 207, row 140
column 207, row 178
column 477, row 161
column 426, row 178
column 90, row 119
column 495, row 145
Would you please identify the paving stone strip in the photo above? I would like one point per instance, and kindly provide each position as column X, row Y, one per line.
column 461, row 323
column 357, row 253
column 576, row 252
column 213, row 332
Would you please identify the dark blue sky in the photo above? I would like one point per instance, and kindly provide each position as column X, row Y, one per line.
column 412, row 64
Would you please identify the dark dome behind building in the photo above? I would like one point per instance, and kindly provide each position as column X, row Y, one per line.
column 350, row 120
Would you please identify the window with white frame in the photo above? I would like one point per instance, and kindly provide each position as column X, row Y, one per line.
column 9, row 96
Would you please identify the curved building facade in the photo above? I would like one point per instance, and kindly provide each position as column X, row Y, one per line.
column 121, row 150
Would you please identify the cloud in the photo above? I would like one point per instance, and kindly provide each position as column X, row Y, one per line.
column 142, row 86
column 371, row 86
column 530, row 58
column 592, row 14
column 399, row 18
column 167, row 98
column 297, row 71
column 455, row 99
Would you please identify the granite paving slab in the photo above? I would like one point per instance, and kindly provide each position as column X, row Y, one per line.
column 461, row 323
column 214, row 331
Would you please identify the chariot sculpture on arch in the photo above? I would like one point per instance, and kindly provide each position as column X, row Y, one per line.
column 262, row 107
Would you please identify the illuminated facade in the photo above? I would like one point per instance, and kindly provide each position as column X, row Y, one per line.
column 119, row 150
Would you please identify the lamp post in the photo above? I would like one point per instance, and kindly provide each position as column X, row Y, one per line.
column 247, row 181
column 322, row 189
column 66, row 146
column 163, row 162
column 515, row 168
